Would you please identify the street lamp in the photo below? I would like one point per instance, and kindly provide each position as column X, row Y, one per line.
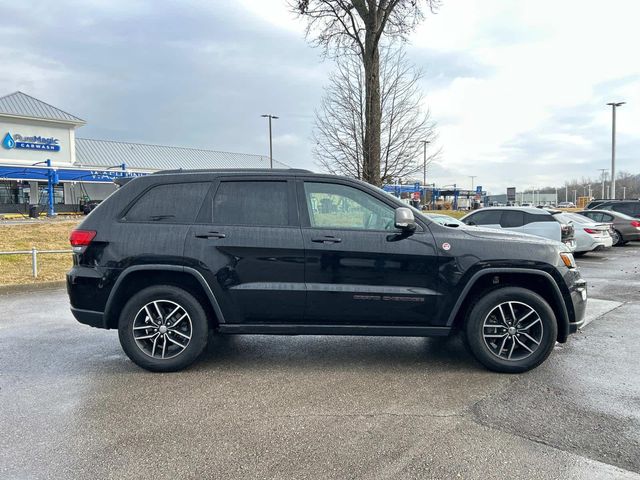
column 603, row 175
column 614, row 105
column 269, row 116
column 472, row 177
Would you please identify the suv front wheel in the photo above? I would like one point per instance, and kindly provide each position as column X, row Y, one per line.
column 163, row 328
column 511, row 330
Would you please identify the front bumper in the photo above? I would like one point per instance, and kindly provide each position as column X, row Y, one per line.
column 578, row 294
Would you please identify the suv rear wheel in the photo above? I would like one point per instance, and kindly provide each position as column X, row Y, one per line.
column 163, row 328
column 511, row 330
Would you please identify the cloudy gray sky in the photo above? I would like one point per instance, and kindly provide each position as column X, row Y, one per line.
column 518, row 88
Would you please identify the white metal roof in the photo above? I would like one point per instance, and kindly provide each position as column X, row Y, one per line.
column 20, row 104
column 105, row 153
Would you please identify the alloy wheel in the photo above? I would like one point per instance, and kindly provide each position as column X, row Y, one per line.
column 162, row 329
column 512, row 331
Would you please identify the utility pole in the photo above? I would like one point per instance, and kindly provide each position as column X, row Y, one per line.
column 602, row 174
column 575, row 197
column 424, row 170
column 472, row 177
column 614, row 105
column 269, row 116
column 566, row 193
column 624, row 193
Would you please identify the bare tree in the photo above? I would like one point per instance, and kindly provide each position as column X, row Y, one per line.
column 340, row 123
column 357, row 26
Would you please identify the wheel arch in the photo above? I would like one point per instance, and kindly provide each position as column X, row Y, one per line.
column 536, row 280
column 135, row 278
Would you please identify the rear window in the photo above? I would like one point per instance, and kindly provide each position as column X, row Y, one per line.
column 259, row 203
column 169, row 203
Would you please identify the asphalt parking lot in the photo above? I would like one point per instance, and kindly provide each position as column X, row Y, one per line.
column 73, row 406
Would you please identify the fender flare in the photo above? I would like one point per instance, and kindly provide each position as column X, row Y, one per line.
column 172, row 268
column 563, row 319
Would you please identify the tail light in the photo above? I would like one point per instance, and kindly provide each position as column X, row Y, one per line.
column 80, row 239
column 635, row 223
column 591, row 231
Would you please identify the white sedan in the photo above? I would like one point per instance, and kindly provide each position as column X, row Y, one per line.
column 589, row 235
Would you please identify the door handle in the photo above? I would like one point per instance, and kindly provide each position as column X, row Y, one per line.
column 210, row 235
column 327, row 239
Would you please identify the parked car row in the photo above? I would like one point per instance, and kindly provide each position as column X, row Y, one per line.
column 583, row 232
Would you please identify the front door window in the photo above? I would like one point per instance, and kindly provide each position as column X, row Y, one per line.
column 336, row 206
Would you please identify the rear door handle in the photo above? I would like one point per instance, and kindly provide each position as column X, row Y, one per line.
column 327, row 239
column 210, row 235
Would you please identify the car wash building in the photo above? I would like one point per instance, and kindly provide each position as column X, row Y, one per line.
column 42, row 161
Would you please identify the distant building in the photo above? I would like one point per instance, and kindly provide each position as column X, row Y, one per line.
column 32, row 132
column 524, row 197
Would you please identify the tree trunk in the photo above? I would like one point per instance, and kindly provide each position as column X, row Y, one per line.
column 371, row 150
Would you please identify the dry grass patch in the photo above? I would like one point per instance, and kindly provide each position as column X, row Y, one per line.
column 45, row 235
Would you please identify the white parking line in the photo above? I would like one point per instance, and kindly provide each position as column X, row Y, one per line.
column 597, row 308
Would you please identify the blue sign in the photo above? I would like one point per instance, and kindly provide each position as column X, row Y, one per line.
column 65, row 174
column 35, row 142
column 416, row 186
column 479, row 189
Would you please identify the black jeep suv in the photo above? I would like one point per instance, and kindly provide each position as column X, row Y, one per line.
column 170, row 257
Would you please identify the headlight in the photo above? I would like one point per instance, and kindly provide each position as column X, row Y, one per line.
column 568, row 260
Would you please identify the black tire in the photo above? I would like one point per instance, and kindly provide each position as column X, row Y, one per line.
column 194, row 325
column 618, row 241
column 484, row 313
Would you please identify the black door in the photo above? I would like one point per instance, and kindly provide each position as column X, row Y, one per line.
column 248, row 245
column 359, row 268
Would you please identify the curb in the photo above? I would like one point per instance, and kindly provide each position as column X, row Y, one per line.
column 31, row 287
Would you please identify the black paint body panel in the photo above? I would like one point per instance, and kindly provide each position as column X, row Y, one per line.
column 278, row 279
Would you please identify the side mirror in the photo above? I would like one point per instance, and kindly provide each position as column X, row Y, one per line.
column 404, row 219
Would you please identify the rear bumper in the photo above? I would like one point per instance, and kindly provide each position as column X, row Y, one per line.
column 89, row 317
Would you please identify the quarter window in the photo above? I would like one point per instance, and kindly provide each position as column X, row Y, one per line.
column 169, row 203
column 260, row 203
column 333, row 205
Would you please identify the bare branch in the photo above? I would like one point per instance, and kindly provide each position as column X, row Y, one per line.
column 340, row 121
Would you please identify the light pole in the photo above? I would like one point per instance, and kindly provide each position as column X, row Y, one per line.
column 624, row 193
column 602, row 174
column 472, row 177
column 614, row 105
column 566, row 193
column 575, row 197
column 424, row 168
column 269, row 116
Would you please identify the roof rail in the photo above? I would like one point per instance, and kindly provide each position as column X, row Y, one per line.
column 228, row 170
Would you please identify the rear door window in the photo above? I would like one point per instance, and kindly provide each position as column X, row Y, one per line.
column 169, row 203
column 257, row 203
column 535, row 218
column 512, row 219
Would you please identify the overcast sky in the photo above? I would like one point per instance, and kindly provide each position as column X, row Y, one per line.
column 518, row 88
